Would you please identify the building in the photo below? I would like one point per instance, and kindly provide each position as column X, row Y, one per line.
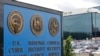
column 98, row 7
column 82, row 23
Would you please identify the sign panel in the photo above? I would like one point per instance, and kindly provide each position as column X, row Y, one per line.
column 30, row 32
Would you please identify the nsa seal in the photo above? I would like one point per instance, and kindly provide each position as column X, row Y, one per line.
column 37, row 24
column 15, row 22
column 53, row 26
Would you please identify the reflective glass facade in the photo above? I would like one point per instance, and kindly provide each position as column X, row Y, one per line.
column 82, row 26
column 96, row 25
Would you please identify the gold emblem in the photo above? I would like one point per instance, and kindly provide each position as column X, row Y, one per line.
column 53, row 26
column 37, row 24
column 15, row 22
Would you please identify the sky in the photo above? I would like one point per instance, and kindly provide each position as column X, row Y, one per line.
column 64, row 5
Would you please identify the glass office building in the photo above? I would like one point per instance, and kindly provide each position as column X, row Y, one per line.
column 98, row 7
column 81, row 26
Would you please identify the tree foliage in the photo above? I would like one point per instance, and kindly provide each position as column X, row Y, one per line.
column 68, row 49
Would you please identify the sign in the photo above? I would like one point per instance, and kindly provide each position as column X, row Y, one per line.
column 31, row 30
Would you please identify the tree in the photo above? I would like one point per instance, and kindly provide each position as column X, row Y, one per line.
column 68, row 49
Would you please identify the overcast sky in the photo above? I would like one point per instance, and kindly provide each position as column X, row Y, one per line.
column 64, row 5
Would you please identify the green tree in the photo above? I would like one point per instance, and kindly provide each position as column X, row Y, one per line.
column 68, row 49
